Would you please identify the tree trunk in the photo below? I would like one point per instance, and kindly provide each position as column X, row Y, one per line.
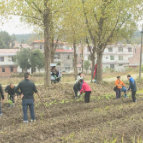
column 52, row 56
column 82, row 59
column 47, row 50
column 52, row 50
column 99, row 66
column 93, row 62
column 93, row 66
column 75, row 59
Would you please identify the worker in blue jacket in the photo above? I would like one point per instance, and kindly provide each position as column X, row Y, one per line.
column 132, row 87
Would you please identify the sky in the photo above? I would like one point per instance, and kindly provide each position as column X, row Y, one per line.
column 14, row 26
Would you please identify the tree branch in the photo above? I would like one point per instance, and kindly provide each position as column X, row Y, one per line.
column 87, row 42
column 40, row 11
column 27, row 16
column 87, row 23
column 56, row 44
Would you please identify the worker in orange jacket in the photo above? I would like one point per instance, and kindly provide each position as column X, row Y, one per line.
column 119, row 84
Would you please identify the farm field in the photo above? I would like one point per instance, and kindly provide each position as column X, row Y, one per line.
column 103, row 120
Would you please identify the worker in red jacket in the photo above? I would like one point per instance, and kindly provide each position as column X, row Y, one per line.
column 86, row 89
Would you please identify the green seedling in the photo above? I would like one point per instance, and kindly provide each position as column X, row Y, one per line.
column 9, row 101
column 107, row 97
column 106, row 107
column 41, row 116
column 99, row 98
column 63, row 101
column 114, row 141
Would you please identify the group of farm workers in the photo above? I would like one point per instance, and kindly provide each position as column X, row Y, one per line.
column 25, row 89
column 81, row 86
column 120, row 86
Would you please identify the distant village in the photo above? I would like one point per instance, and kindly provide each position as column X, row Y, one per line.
column 117, row 57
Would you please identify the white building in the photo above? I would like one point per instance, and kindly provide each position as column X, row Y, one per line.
column 63, row 55
column 7, row 66
column 115, row 56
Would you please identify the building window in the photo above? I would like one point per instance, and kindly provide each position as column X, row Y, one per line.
column 129, row 49
column 120, row 57
column 66, row 57
column 40, row 46
column 12, row 59
column 11, row 69
column 57, row 56
column 111, row 57
column 1, row 59
column 3, row 69
column 66, row 65
column 110, row 49
column 120, row 64
column 120, row 49
column 112, row 66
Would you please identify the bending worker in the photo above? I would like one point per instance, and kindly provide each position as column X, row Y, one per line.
column 10, row 89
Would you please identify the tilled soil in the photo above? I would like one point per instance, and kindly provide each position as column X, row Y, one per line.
column 96, row 122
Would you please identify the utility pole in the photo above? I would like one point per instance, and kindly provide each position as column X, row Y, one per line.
column 140, row 71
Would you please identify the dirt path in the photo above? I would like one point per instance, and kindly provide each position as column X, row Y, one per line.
column 135, row 76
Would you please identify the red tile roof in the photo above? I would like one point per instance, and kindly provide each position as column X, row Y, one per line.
column 41, row 41
column 66, row 51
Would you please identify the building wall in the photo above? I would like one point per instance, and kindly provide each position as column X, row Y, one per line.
column 65, row 60
column 7, row 71
column 64, row 64
column 7, row 60
column 114, row 58
column 38, row 46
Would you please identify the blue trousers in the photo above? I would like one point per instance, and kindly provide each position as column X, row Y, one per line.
column 0, row 108
column 124, row 89
column 25, row 104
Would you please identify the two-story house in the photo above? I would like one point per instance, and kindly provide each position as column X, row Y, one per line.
column 63, row 54
column 115, row 56
column 64, row 60
column 7, row 65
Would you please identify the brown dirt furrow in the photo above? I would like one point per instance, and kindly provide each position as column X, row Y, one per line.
column 77, row 122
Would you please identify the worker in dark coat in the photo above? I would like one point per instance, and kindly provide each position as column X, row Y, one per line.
column 27, row 89
column 1, row 96
column 132, row 87
column 10, row 89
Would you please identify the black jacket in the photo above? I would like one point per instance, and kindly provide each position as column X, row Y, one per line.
column 26, row 88
column 76, row 86
column 9, row 90
column 1, row 92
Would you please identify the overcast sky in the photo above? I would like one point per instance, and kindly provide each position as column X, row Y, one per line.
column 14, row 26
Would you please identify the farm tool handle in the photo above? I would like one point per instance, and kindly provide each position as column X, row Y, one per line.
column 43, row 104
